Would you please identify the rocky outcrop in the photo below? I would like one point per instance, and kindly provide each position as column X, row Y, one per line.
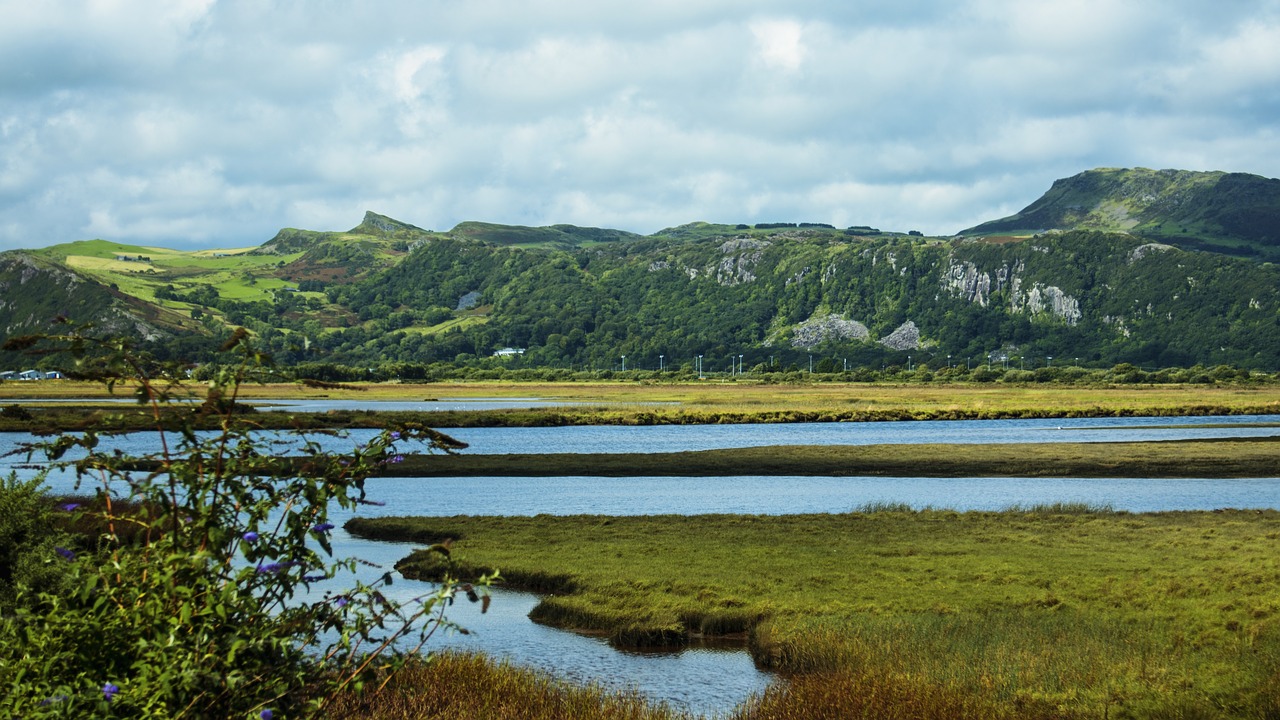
column 1041, row 299
column 741, row 257
column 826, row 328
column 1144, row 250
column 905, row 337
column 965, row 280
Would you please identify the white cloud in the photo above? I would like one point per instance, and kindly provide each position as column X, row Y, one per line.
column 780, row 43
column 214, row 123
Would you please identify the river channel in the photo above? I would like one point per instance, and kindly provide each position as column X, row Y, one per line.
column 714, row 680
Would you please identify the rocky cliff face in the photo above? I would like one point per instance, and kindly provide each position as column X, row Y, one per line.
column 966, row 280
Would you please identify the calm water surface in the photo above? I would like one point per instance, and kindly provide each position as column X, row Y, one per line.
column 710, row 681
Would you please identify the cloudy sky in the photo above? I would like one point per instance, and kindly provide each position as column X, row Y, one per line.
column 203, row 123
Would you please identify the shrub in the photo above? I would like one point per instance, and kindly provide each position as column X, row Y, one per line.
column 199, row 610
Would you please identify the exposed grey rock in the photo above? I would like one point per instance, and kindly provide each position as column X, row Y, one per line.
column 743, row 243
column 966, row 280
column 905, row 337
column 468, row 301
column 739, row 268
column 1144, row 250
column 823, row 328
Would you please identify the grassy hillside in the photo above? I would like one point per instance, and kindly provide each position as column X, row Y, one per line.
column 1232, row 213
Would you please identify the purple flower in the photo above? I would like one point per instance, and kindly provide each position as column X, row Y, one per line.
column 69, row 507
column 65, row 553
column 341, row 601
column 250, row 536
column 395, row 434
column 314, row 578
column 109, row 691
column 397, row 459
column 266, row 714
column 274, row 567
column 323, row 527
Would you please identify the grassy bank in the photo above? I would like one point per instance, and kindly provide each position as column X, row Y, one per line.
column 743, row 401
column 1042, row 613
column 1249, row 457
column 29, row 418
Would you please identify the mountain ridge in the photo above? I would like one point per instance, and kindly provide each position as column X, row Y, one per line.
column 389, row 291
column 1231, row 213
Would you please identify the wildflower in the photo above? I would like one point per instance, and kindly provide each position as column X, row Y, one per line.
column 397, row 459
column 274, row 567
column 314, row 578
column 69, row 507
column 109, row 691
column 266, row 714
column 65, row 553
column 341, row 601
column 323, row 527
column 395, row 434
column 250, row 536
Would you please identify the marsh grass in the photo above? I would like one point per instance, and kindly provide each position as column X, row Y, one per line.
column 455, row 685
column 1053, row 611
column 1244, row 457
column 709, row 401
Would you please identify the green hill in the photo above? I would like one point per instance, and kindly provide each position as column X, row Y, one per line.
column 1127, row 290
column 1232, row 213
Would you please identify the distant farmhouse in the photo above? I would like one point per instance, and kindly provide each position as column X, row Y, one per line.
column 30, row 375
column 508, row 352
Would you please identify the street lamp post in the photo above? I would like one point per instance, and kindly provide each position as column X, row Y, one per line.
column 661, row 366
column 624, row 363
column 699, row 367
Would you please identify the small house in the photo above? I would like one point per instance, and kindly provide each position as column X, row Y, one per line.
column 30, row 375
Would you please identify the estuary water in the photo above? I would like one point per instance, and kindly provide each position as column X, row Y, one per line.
column 714, row 680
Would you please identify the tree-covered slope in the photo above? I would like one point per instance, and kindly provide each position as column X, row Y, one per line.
column 1233, row 213
column 1094, row 296
column 36, row 291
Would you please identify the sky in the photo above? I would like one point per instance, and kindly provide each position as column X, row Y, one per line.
column 208, row 123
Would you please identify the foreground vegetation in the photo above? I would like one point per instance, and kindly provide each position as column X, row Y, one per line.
column 183, row 592
column 1053, row 612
